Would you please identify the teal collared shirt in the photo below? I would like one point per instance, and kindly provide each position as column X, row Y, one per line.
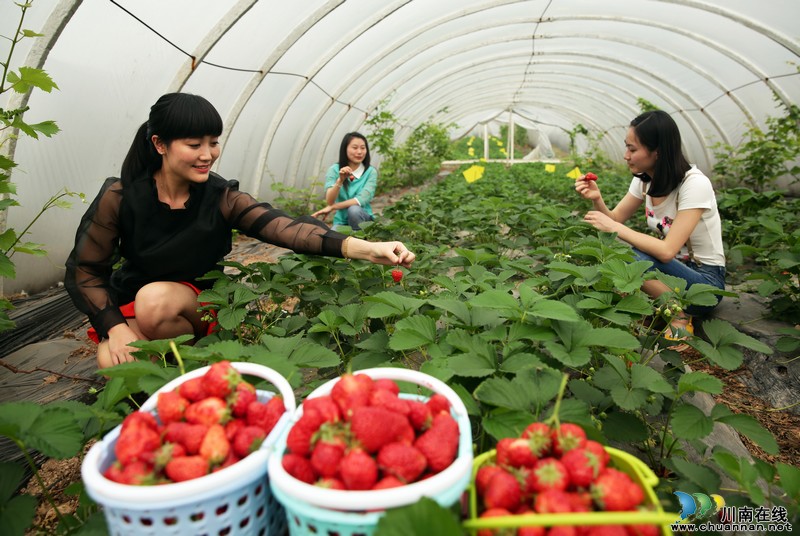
column 361, row 188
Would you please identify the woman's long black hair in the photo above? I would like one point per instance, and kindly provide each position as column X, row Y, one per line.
column 173, row 116
column 657, row 131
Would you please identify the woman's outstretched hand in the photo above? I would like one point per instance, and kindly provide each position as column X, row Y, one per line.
column 391, row 254
column 322, row 213
column 386, row 253
column 601, row 222
column 118, row 338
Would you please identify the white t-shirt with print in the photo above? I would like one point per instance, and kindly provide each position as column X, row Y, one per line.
column 695, row 191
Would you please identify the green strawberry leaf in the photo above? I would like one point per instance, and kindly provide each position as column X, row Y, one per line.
column 689, row 422
column 426, row 516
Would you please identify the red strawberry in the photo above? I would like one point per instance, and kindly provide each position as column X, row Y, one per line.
column 419, row 414
column 515, row 453
column 221, row 379
column 330, row 483
column 298, row 441
column 248, row 440
column 389, row 400
column 562, row 530
column 599, row 451
column 403, row 461
column 567, row 437
column 397, row 275
column 186, row 468
column 492, row 512
column 484, row 474
column 211, row 410
column 359, row 470
column 643, row 530
column 531, row 531
column 325, row 458
column 581, row 501
column 136, row 443
column 547, row 473
column 439, row 443
column 265, row 414
column 615, row 491
column 374, row 427
column 233, row 426
column 170, row 406
column 139, row 419
column 193, row 389
column 539, row 435
column 352, row 391
column 388, row 385
column 114, row 472
column 388, row 482
column 215, row 446
column 552, row 501
column 502, row 491
column 138, row 473
column 158, row 458
column 229, row 460
column 582, row 466
column 326, row 406
column 299, row 467
column 189, row 435
column 243, row 394
column 607, row 530
column 590, row 176
column 438, row 403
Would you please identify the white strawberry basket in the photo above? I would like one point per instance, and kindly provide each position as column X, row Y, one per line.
column 235, row 500
column 312, row 510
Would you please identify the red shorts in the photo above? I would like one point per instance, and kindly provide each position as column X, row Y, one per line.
column 128, row 311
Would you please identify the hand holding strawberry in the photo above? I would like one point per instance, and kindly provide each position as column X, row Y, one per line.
column 590, row 176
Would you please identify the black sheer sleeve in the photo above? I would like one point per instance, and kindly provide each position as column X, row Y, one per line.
column 268, row 224
column 90, row 264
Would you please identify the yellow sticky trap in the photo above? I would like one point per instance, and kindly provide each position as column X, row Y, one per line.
column 473, row 173
column 550, row 168
column 575, row 173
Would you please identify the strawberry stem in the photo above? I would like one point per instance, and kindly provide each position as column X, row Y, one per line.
column 177, row 356
column 557, row 406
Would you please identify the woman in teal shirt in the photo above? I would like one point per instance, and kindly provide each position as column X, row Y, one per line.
column 350, row 184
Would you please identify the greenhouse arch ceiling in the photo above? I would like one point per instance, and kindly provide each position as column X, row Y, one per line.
column 290, row 78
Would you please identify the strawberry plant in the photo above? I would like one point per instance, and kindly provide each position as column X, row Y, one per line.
column 520, row 295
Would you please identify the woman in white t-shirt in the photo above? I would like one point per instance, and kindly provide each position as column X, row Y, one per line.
column 679, row 205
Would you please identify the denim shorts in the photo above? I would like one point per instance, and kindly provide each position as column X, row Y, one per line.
column 692, row 273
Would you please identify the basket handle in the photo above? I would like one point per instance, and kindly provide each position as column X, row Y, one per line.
column 405, row 375
column 252, row 369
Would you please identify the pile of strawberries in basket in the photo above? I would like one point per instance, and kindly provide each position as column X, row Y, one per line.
column 556, row 471
column 207, row 423
column 364, row 436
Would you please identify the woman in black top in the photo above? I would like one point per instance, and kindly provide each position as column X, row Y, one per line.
column 170, row 218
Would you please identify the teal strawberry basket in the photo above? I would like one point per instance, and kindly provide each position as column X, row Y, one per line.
column 312, row 510
column 235, row 500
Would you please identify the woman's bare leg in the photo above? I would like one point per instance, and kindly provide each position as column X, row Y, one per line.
column 167, row 309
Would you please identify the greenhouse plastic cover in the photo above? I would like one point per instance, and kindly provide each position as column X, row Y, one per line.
column 290, row 78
